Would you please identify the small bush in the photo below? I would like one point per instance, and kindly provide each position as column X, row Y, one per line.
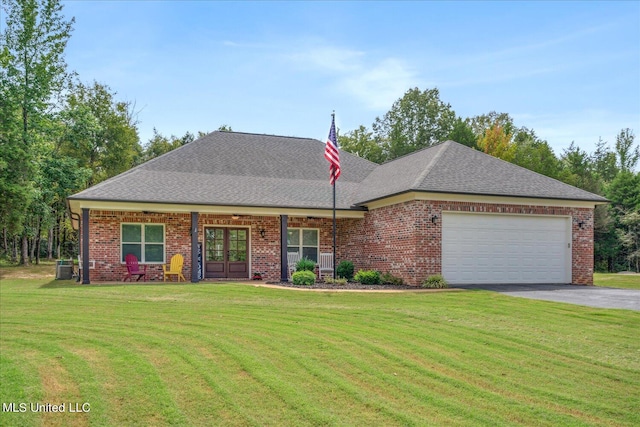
column 345, row 270
column 435, row 282
column 305, row 264
column 368, row 277
column 390, row 279
column 303, row 278
column 339, row 281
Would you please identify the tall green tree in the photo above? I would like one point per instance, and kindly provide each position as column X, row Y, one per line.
column 534, row 154
column 482, row 123
column 630, row 237
column 578, row 170
column 624, row 191
column 627, row 155
column 605, row 161
column 160, row 144
column 462, row 133
column 100, row 131
column 417, row 120
column 617, row 241
column 33, row 73
column 362, row 143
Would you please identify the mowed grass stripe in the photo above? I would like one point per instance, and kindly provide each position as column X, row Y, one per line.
column 238, row 355
column 545, row 361
column 443, row 382
column 132, row 379
column 265, row 358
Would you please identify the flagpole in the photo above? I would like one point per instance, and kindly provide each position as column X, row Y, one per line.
column 333, row 157
column 334, row 229
column 333, row 117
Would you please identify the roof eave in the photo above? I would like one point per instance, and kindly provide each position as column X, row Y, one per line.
column 76, row 205
column 598, row 201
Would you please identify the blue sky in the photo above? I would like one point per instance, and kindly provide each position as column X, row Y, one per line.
column 568, row 70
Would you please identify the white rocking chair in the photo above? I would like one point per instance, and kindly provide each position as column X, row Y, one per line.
column 325, row 264
column 292, row 260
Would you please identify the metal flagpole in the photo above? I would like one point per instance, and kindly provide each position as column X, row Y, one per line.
column 334, row 226
column 333, row 117
column 332, row 155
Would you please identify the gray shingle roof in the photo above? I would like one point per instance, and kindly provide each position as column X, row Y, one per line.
column 450, row 167
column 231, row 168
column 240, row 169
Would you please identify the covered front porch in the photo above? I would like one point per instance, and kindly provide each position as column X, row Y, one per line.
column 216, row 242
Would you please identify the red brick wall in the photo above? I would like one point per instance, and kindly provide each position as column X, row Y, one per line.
column 582, row 244
column 387, row 239
column 104, row 242
column 104, row 229
column 400, row 239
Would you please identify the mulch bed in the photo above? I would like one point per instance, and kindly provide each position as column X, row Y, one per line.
column 349, row 285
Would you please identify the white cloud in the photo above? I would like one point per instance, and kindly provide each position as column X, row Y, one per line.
column 330, row 58
column 379, row 86
column 374, row 83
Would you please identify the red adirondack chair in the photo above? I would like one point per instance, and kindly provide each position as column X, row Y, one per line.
column 133, row 269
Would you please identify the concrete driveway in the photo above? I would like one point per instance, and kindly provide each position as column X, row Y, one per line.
column 591, row 296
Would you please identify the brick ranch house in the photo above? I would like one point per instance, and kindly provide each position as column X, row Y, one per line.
column 245, row 200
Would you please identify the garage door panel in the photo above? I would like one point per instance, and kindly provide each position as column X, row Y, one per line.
column 493, row 248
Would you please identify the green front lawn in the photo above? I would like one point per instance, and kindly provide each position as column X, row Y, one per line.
column 225, row 354
column 612, row 280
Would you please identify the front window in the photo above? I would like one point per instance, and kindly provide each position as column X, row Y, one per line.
column 305, row 241
column 145, row 241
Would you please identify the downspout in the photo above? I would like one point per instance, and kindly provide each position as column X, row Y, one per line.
column 85, row 247
column 75, row 217
column 284, row 267
column 195, row 273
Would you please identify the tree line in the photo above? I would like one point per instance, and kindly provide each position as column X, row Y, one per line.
column 60, row 135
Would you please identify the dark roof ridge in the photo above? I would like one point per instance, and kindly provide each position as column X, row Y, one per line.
column 292, row 137
column 443, row 147
column 417, row 151
column 260, row 134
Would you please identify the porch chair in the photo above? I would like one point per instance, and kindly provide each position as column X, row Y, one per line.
column 325, row 264
column 292, row 260
column 133, row 269
column 175, row 268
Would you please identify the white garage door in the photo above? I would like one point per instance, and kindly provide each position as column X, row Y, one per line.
column 493, row 248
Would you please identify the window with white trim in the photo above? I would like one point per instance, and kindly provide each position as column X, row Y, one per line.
column 145, row 241
column 305, row 241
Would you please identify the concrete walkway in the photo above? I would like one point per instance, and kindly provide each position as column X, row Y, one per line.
column 591, row 296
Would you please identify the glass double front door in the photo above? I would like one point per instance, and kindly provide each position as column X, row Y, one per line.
column 226, row 252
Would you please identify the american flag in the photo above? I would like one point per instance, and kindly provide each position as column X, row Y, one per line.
column 331, row 153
